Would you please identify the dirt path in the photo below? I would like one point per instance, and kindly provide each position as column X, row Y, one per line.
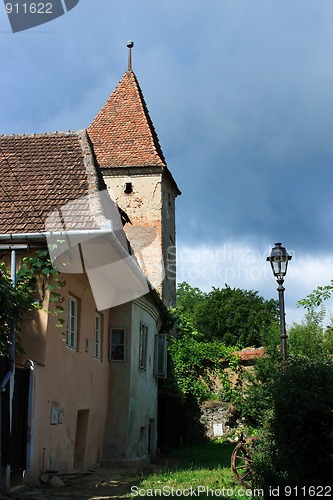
column 105, row 483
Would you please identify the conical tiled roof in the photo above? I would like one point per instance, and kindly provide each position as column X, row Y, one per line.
column 122, row 133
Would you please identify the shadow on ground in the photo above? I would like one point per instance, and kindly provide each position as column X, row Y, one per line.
column 107, row 482
column 104, row 483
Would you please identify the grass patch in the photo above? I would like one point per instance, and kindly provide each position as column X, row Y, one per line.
column 202, row 471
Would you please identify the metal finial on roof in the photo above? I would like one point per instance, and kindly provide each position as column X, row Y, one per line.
column 130, row 45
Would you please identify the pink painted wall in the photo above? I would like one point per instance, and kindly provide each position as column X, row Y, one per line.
column 72, row 382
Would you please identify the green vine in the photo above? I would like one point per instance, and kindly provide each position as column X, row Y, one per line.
column 197, row 364
column 35, row 276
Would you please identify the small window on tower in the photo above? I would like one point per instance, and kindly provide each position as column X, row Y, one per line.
column 128, row 189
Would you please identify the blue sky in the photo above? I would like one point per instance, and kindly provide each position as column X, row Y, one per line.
column 241, row 96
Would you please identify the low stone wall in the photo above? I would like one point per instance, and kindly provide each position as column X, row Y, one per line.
column 209, row 419
column 217, row 418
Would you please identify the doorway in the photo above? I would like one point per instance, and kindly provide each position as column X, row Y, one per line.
column 18, row 439
column 80, row 438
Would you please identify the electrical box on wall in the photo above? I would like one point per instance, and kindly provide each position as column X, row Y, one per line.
column 54, row 415
column 61, row 417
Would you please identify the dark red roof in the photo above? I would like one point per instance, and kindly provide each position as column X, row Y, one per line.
column 250, row 353
column 122, row 133
column 40, row 173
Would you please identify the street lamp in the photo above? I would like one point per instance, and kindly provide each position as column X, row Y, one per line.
column 279, row 259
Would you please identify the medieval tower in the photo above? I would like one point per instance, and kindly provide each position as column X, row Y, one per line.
column 138, row 179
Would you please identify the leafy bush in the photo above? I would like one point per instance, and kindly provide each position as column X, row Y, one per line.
column 14, row 302
column 293, row 407
column 196, row 363
column 296, row 443
column 306, row 341
column 256, row 397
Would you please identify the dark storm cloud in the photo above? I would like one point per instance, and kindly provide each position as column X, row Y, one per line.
column 240, row 92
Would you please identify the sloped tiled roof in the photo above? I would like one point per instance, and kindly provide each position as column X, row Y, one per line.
column 122, row 133
column 42, row 172
column 250, row 353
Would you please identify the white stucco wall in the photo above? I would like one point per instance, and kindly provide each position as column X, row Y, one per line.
column 132, row 420
column 142, row 425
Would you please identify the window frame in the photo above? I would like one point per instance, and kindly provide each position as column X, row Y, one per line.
column 72, row 312
column 98, row 336
column 161, row 355
column 143, row 346
column 117, row 330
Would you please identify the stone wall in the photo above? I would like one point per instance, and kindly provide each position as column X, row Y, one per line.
column 217, row 418
column 209, row 419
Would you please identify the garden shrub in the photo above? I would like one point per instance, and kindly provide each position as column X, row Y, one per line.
column 296, row 444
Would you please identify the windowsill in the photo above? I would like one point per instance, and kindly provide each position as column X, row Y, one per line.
column 71, row 348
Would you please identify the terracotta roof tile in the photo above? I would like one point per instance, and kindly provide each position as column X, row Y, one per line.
column 250, row 353
column 42, row 172
column 122, row 133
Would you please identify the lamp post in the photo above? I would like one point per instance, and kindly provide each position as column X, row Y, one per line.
column 279, row 259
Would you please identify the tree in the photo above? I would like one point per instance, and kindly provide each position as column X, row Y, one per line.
column 310, row 340
column 229, row 315
column 317, row 297
column 292, row 408
column 188, row 301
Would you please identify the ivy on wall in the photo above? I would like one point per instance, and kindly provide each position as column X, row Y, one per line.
column 196, row 364
column 35, row 277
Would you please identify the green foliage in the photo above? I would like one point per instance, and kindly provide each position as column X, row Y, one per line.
column 230, row 315
column 317, row 297
column 16, row 303
column 211, row 326
column 310, row 340
column 196, row 363
column 256, row 397
column 296, row 445
column 235, row 316
column 188, row 300
column 306, row 341
column 293, row 407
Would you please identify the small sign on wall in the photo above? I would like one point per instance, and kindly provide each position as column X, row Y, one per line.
column 61, row 417
column 218, row 430
column 54, row 415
